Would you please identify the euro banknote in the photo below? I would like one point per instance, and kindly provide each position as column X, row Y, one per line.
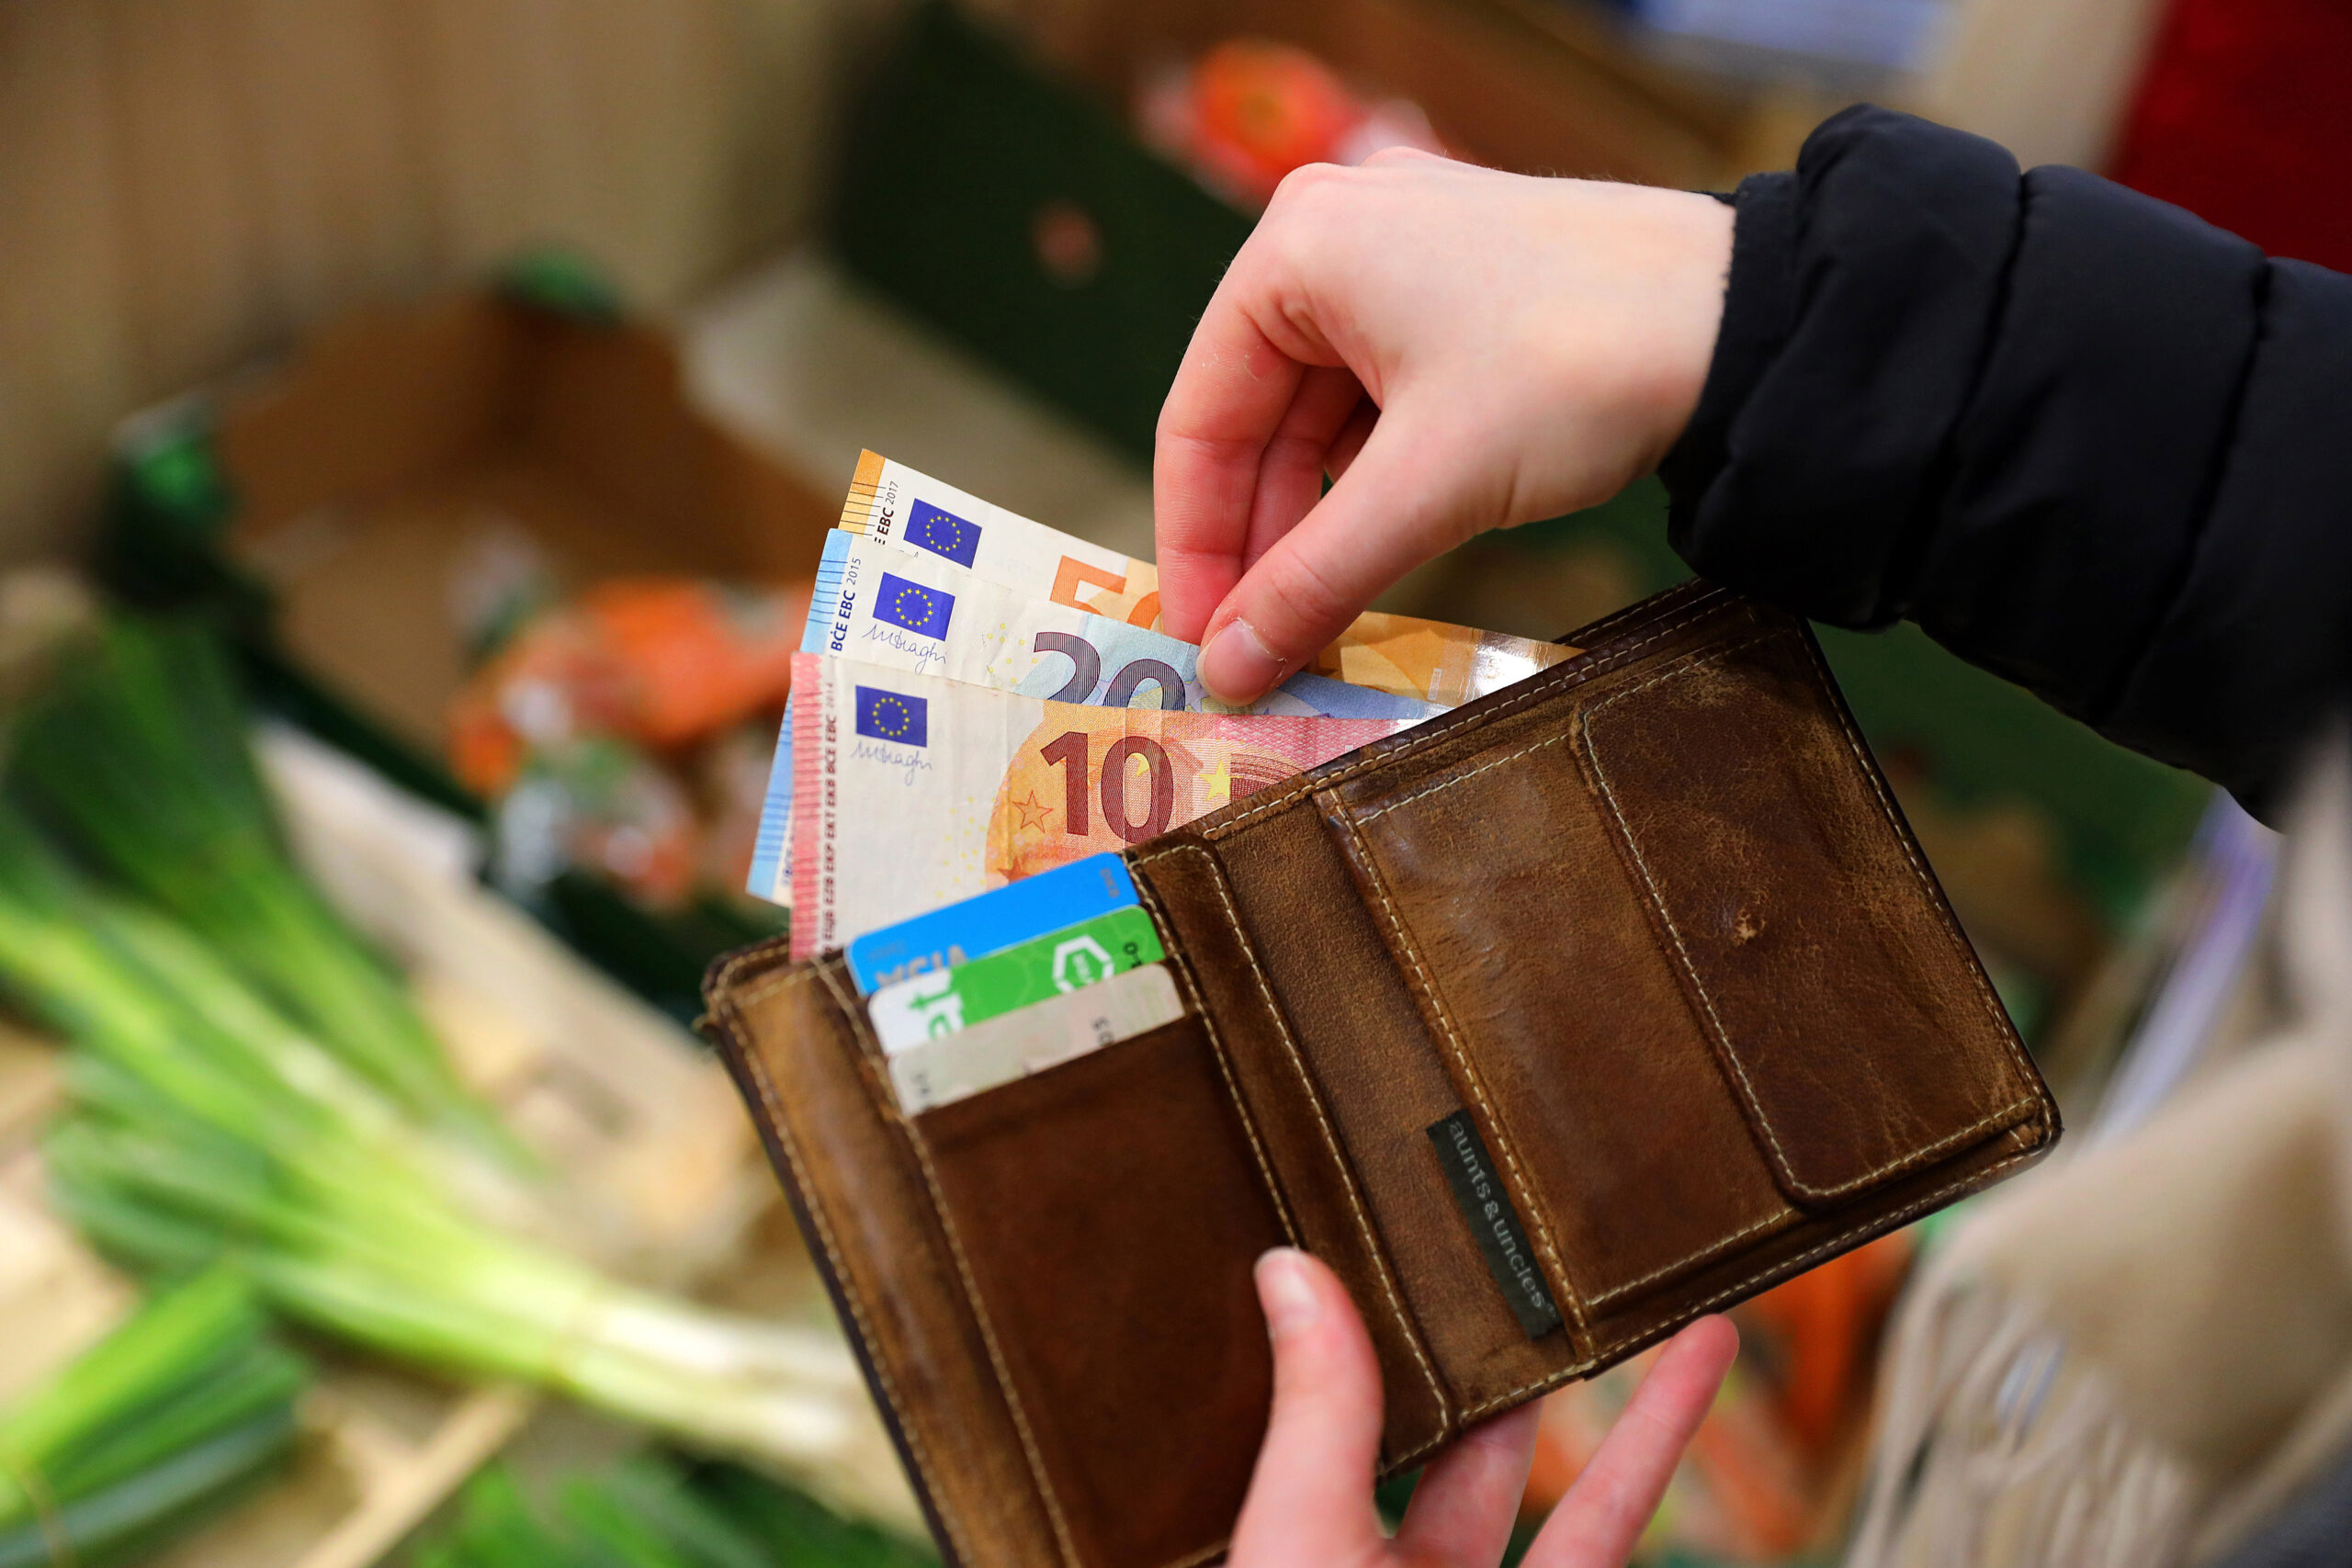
column 928, row 613
column 932, row 615
column 911, row 791
column 912, row 514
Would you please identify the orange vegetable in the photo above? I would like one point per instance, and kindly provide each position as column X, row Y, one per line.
column 694, row 656
column 1824, row 1327
column 662, row 662
column 1263, row 109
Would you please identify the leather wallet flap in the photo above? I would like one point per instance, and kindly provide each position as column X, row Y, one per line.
column 1687, row 856
column 1808, row 930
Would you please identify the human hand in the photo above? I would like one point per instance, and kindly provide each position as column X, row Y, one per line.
column 1310, row 1500
column 1461, row 349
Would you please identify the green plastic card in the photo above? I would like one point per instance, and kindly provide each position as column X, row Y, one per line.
column 943, row 1001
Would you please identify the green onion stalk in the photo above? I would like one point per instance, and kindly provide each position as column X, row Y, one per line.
column 206, row 1126
column 137, row 757
column 651, row 1512
column 179, row 1409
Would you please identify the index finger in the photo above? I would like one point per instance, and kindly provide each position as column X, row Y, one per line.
column 1310, row 1497
column 1230, row 395
column 1604, row 1513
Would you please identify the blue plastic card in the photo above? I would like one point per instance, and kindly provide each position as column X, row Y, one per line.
column 1049, row 901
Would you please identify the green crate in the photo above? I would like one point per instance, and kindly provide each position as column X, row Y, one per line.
column 958, row 154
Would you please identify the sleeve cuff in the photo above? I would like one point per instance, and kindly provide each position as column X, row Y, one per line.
column 1760, row 303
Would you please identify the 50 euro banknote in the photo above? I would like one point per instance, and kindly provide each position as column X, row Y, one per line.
column 912, row 514
column 910, row 791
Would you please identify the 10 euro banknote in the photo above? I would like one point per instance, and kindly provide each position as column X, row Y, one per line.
column 909, row 512
column 910, row 791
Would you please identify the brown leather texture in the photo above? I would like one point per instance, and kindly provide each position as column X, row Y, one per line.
column 1650, row 918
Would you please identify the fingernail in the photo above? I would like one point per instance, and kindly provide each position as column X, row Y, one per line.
column 1236, row 667
column 1287, row 1293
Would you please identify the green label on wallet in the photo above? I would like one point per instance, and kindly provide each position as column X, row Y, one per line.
column 1487, row 1207
column 942, row 1002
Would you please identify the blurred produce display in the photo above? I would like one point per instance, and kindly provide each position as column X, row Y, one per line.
column 625, row 734
column 1248, row 111
column 182, row 1408
column 1080, row 174
column 654, row 1512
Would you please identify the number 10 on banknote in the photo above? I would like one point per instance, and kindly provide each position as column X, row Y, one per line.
column 909, row 792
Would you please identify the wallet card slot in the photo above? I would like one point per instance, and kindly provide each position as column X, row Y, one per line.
column 1188, row 892
column 1105, row 1213
column 792, row 1036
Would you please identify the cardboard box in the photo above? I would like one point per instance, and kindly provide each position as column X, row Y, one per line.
column 327, row 508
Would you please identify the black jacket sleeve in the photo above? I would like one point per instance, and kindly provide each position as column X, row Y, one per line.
column 2083, row 439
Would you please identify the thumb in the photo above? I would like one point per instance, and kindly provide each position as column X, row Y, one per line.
column 1310, row 1499
column 1386, row 514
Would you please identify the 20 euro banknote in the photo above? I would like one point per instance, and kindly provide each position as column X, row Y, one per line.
column 911, row 791
column 931, row 616
column 912, row 514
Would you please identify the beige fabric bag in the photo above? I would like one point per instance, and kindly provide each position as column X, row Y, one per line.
column 2131, row 1356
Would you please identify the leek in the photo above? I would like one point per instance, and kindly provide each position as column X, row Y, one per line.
column 136, row 756
column 650, row 1512
column 206, row 1126
column 179, row 1408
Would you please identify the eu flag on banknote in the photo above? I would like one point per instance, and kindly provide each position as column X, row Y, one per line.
column 942, row 532
column 922, row 611
column 893, row 717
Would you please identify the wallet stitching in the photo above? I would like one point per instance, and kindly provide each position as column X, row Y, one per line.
column 1545, row 684
column 724, row 981
column 1469, row 1071
column 980, row 1316
column 1232, row 1087
column 1461, row 778
column 1331, row 1140
column 1786, row 1267
column 1721, row 1244
column 875, row 1356
column 762, row 991
column 1706, row 1000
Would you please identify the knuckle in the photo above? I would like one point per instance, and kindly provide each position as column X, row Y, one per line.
column 1307, row 596
column 1307, row 192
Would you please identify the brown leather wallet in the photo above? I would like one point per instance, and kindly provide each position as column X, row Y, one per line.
column 1595, row 1004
